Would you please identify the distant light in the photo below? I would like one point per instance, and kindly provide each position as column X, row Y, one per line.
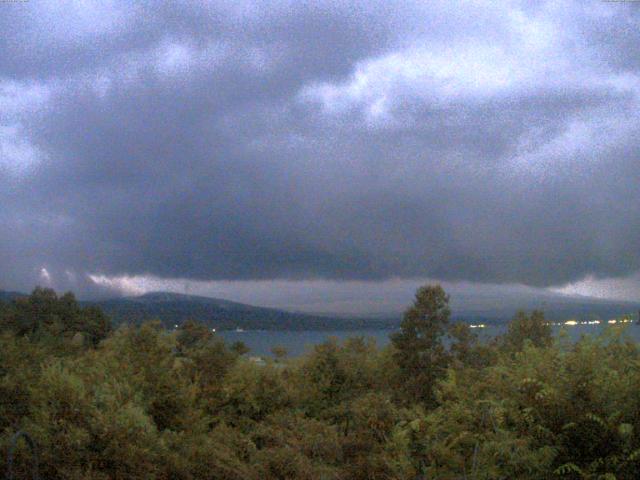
column 213, row 329
column 612, row 321
column 571, row 322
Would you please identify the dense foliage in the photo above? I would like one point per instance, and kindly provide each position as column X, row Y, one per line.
column 146, row 403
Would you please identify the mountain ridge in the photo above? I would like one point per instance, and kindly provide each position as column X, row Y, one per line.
column 174, row 308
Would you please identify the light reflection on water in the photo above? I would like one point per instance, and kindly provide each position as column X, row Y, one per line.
column 298, row 342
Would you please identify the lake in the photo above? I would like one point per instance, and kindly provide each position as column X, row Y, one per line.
column 261, row 341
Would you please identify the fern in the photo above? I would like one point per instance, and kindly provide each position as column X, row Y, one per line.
column 634, row 456
column 568, row 468
column 596, row 419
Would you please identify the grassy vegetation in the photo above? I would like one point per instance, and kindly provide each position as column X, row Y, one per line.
column 146, row 403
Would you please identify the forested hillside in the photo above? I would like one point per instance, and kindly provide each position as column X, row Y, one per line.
column 171, row 309
column 143, row 402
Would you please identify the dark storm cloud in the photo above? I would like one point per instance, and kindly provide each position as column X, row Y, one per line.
column 341, row 140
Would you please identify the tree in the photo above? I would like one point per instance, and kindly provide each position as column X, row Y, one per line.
column 240, row 347
column 43, row 312
column 463, row 341
column 279, row 352
column 32, row 312
column 419, row 351
column 525, row 327
column 94, row 324
column 192, row 334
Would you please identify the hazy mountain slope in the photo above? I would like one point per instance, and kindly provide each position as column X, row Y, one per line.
column 8, row 296
column 556, row 307
column 171, row 309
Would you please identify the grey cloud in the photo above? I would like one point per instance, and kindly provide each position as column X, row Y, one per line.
column 230, row 164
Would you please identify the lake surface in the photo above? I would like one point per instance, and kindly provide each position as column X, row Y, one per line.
column 297, row 343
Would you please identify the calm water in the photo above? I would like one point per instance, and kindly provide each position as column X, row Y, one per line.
column 261, row 341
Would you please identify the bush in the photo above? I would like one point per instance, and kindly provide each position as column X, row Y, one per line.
column 146, row 403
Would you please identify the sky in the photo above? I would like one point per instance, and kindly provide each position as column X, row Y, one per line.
column 315, row 155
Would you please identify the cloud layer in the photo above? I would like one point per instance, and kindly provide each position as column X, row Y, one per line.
column 323, row 140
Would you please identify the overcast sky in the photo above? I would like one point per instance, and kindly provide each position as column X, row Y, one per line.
column 289, row 151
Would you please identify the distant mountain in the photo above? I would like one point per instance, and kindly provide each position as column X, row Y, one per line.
column 174, row 308
column 8, row 296
column 494, row 308
column 557, row 307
